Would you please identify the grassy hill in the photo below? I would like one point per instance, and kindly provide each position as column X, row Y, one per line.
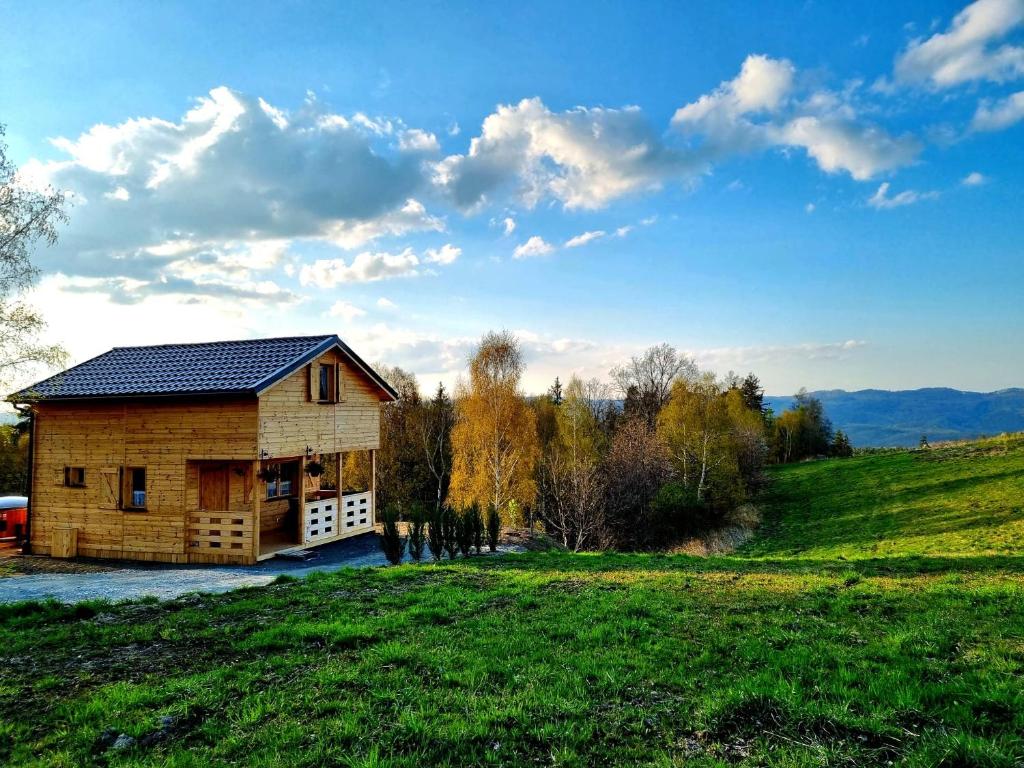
column 877, row 620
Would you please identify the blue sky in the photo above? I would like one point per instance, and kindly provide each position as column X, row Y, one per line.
column 830, row 196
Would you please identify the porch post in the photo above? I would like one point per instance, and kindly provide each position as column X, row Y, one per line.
column 338, row 515
column 256, row 494
column 373, row 486
column 302, row 499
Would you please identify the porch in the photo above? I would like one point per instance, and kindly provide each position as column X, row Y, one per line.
column 325, row 519
column 247, row 511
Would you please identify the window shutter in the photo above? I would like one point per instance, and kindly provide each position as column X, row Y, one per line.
column 339, row 381
column 313, row 383
column 108, row 488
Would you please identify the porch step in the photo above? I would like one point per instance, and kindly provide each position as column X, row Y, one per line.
column 297, row 553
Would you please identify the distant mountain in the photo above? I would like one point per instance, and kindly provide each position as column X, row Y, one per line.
column 876, row 417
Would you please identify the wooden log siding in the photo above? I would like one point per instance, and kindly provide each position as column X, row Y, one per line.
column 289, row 420
column 161, row 436
column 168, row 438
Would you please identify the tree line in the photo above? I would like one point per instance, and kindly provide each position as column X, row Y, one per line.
column 662, row 451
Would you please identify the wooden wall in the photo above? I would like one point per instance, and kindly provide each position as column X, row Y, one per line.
column 289, row 421
column 161, row 436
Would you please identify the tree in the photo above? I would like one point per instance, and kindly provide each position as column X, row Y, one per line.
column 803, row 431
column 696, row 427
column 555, row 392
column 573, row 507
column 27, row 216
column 841, row 447
column 437, row 417
column 752, row 393
column 649, row 378
column 403, row 477
column 494, row 441
column 636, row 467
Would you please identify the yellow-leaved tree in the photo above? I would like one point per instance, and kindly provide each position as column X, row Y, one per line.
column 494, row 441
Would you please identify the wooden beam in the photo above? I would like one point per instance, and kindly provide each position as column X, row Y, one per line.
column 373, row 486
column 302, row 499
column 257, row 493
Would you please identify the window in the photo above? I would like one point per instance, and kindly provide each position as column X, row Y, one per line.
column 74, row 477
column 134, row 494
column 326, row 388
column 282, row 483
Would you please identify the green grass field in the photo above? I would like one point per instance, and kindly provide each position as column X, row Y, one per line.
column 877, row 620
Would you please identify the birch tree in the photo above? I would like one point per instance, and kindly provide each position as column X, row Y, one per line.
column 27, row 216
column 494, row 441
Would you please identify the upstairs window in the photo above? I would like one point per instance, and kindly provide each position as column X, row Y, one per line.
column 74, row 477
column 134, row 493
column 326, row 389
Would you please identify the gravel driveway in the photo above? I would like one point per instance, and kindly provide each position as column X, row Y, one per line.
column 168, row 581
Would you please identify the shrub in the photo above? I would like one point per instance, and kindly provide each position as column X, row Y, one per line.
column 417, row 532
column 493, row 528
column 392, row 541
column 675, row 510
column 435, row 533
column 450, row 526
column 477, row 521
column 464, row 532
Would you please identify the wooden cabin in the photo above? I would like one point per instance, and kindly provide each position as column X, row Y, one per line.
column 202, row 453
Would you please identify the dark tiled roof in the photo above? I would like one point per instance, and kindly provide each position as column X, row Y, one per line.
column 219, row 367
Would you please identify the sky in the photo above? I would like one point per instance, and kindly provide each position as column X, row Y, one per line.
column 828, row 195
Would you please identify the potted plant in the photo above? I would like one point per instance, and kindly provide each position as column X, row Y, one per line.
column 269, row 473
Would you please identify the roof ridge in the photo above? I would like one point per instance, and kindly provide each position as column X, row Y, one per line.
column 320, row 336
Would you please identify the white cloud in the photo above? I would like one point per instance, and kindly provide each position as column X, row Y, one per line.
column 535, row 246
column 881, row 200
column 386, row 304
column 365, row 267
column 809, row 208
column 997, row 115
column 974, row 179
column 758, row 109
column 415, row 140
column 624, row 230
column 839, row 144
column 446, row 254
column 510, row 225
column 761, row 86
column 583, row 157
column 969, row 50
column 345, row 310
column 154, row 197
column 739, row 358
column 584, row 238
column 411, row 217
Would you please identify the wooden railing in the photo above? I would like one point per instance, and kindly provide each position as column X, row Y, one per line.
column 325, row 521
column 220, row 533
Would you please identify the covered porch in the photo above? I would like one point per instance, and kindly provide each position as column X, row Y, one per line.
column 246, row 511
column 312, row 500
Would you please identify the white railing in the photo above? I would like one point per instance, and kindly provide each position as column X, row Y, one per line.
column 325, row 521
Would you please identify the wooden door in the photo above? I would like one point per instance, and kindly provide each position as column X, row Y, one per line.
column 213, row 488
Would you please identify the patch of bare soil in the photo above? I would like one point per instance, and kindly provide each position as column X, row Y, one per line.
column 13, row 563
column 531, row 541
column 738, row 529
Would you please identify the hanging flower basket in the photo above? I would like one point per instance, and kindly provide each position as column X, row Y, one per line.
column 314, row 469
column 270, row 473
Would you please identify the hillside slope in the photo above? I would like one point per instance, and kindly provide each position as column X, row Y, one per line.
column 877, row 620
column 960, row 500
column 874, row 417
